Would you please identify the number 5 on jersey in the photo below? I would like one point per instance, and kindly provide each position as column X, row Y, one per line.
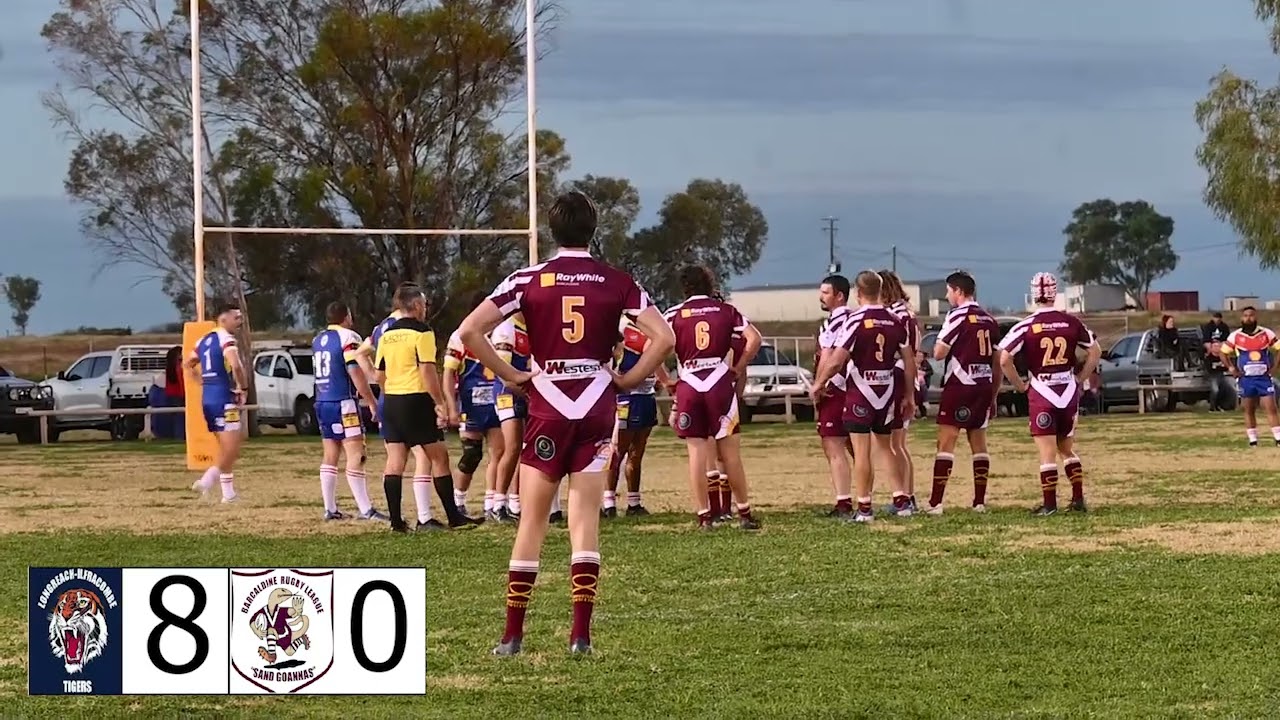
column 575, row 324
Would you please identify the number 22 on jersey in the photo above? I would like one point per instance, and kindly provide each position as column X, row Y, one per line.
column 1055, row 351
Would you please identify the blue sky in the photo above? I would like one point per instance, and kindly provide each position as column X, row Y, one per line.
column 961, row 131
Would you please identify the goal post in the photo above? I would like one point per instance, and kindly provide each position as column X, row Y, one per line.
column 201, row 445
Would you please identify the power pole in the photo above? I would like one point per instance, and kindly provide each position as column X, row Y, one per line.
column 893, row 265
column 832, row 266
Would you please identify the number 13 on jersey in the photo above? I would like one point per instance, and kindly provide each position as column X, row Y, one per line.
column 218, row 631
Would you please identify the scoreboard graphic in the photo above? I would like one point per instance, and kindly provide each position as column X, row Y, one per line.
column 227, row 631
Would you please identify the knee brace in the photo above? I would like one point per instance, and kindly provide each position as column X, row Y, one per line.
column 472, row 454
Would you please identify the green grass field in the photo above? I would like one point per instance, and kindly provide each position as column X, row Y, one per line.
column 1160, row 603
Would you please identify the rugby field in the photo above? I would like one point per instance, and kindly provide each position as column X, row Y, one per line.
column 1160, row 603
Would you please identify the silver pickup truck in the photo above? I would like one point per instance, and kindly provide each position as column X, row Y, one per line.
column 1134, row 362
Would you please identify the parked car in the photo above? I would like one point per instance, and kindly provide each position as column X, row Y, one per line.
column 772, row 371
column 1134, row 361
column 103, row 381
column 18, row 397
column 286, row 383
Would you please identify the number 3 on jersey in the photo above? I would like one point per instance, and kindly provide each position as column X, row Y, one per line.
column 571, row 315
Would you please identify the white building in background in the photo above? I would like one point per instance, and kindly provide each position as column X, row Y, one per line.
column 1234, row 303
column 1089, row 297
column 799, row 303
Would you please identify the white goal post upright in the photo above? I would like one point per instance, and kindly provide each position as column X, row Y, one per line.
column 197, row 168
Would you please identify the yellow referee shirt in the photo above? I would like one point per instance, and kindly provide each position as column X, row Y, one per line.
column 404, row 345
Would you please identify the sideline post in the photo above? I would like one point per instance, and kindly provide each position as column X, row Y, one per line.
column 202, row 446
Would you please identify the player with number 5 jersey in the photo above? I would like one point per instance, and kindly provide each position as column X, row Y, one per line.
column 339, row 386
column 215, row 366
column 1048, row 341
column 572, row 305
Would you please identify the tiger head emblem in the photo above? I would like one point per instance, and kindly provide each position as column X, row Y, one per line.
column 77, row 629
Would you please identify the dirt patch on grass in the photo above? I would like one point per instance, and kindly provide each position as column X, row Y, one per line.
column 82, row 486
column 1247, row 537
column 458, row 682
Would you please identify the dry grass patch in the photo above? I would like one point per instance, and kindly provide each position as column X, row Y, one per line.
column 1246, row 537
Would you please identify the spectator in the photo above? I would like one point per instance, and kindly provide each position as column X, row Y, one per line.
column 1212, row 335
column 1168, row 342
column 174, row 390
column 924, row 374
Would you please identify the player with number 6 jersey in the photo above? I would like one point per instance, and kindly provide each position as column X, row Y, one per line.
column 340, row 383
column 705, row 331
column 572, row 305
column 1048, row 340
column 966, row 344
column 215, row 366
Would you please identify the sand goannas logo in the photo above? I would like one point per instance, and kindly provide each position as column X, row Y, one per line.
column 282, row 630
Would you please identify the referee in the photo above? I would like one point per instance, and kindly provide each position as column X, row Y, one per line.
column 414, row 414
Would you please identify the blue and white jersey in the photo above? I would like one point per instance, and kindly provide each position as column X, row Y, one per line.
column 333, row 352
column 215, row 368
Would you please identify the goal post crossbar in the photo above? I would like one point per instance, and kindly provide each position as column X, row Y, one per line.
column 199, row 229
column 368, row 231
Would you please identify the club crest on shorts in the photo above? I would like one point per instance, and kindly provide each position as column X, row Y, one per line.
column 962, row 413
column 1044, row 420
column 544, row 447
column 861, row 411
column 684, row 421
column 282, row 627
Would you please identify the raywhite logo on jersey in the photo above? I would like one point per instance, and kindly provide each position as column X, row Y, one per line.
column 547, row 279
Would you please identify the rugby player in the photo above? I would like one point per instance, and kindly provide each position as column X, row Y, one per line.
column 414, row 415
column 215, row 365
column 637, row 416
column 572, row 304
column 833, row 295
column 874, row 400
column 966, row 344
column 511, row 340
column 1048, row 340
column 1251, row 354
column 339, row 383
column 706, row 395
column 475, row 415
column 894, row 296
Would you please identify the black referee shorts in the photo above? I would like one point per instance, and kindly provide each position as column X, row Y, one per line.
column 410, row 420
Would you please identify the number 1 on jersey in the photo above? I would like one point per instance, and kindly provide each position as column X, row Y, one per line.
column 571, row 316
column 984, row 343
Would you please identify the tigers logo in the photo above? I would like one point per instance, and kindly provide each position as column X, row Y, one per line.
column 282, row 630
column 544, row 447
column 1044, row 420
column 78, row 630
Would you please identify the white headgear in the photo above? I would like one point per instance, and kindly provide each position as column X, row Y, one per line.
column 1044, row 287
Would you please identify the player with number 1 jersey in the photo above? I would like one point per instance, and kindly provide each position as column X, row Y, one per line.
column 215, row 366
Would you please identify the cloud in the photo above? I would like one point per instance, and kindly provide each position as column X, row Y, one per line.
column 877, row 71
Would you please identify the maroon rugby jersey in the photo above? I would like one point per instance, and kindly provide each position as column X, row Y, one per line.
column 970, row 332
column 903, row 312
column 1048, row 341
column 874, row 337
column 706, row 331
column 829, row 334
column 572, row 305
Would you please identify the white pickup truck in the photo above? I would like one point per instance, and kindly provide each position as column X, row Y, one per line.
column 102, row 381
column 285, row 378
